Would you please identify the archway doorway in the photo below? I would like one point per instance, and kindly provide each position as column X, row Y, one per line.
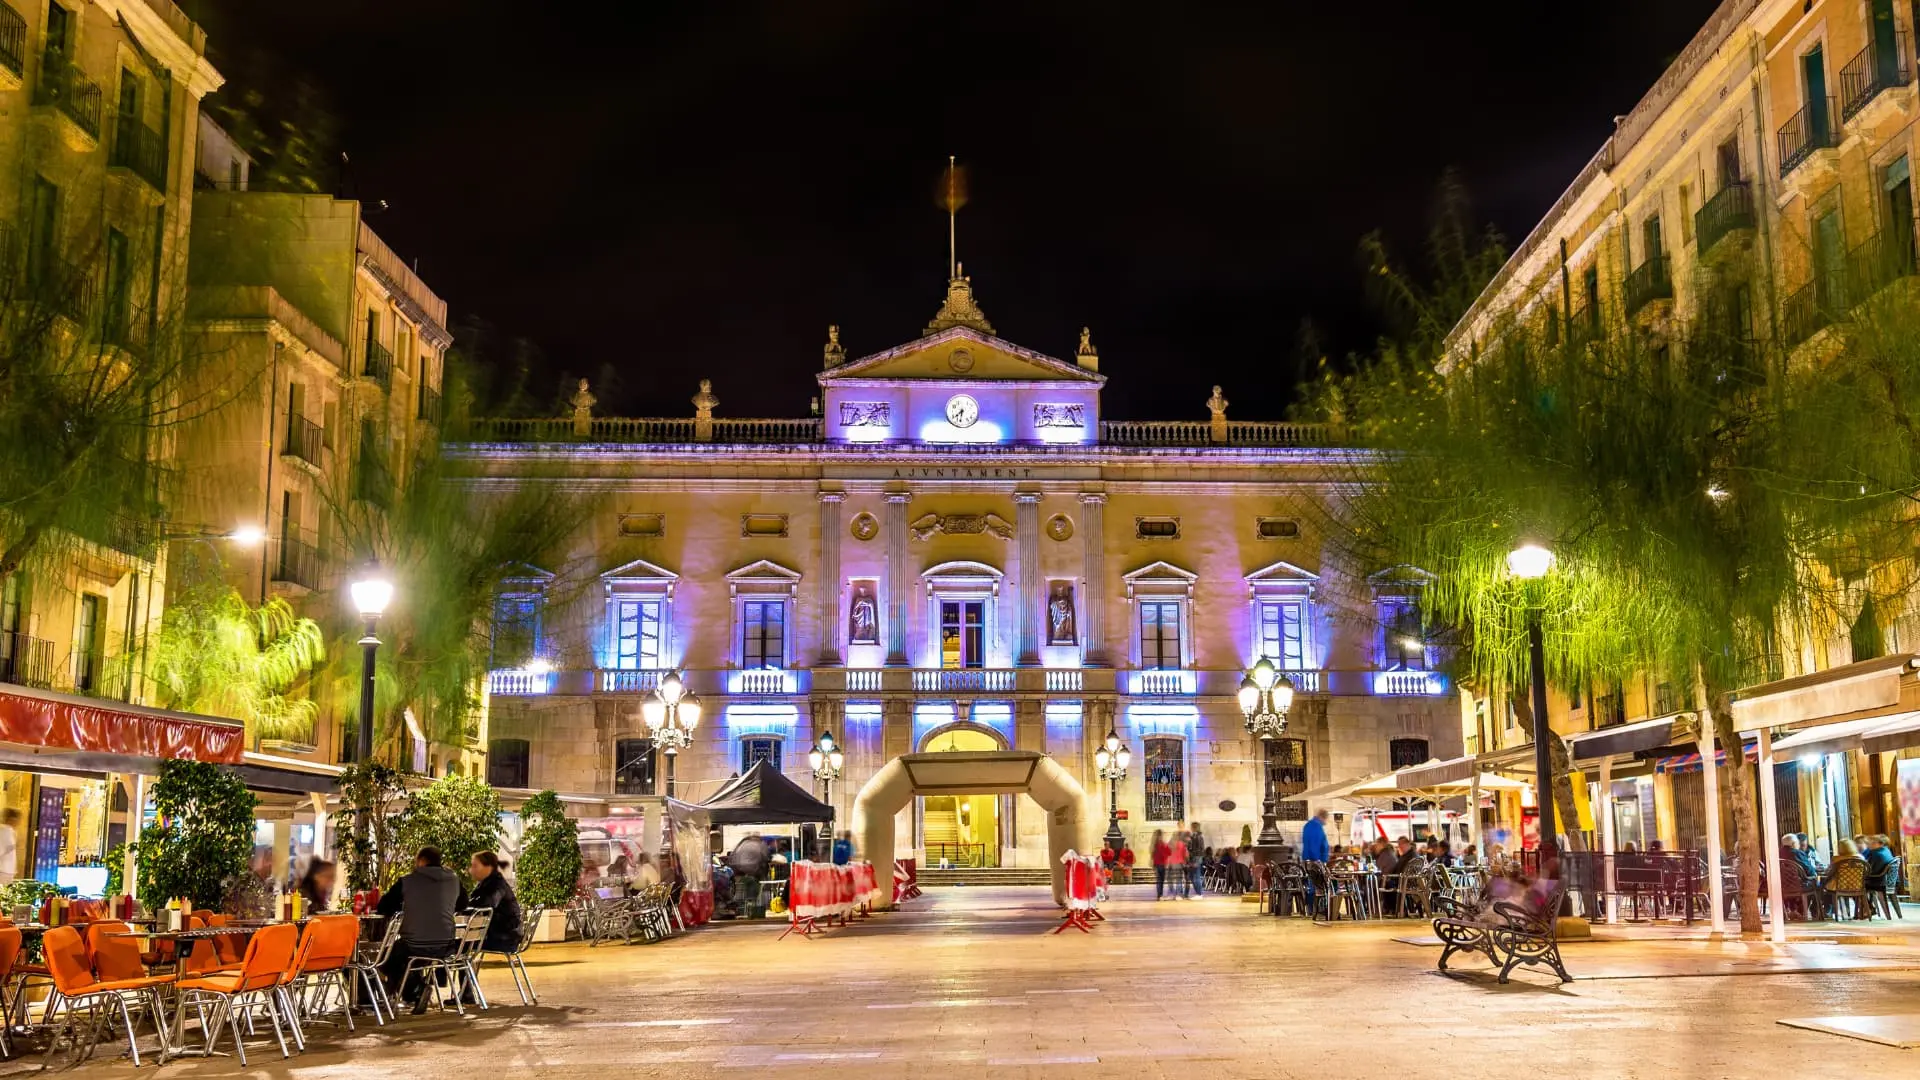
column 971, row 772
column 963, row 830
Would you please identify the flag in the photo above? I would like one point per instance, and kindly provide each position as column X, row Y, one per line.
column 951, row 194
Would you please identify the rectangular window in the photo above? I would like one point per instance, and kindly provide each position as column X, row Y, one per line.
column 89, row 643
column 1286, row 768
column 963, row 633
column 1166, row 779
column 763, row 633
column 507, row 761
column 59, row 30
column 43, row 231
column 1406, row 753
column 516, row 629
column 1160, row 634
column 1650, row 239
column 1283, row 633
column 636, row 634
column 1590, row 288
column 633, row 767
column 1403, row 645
column 760, row 748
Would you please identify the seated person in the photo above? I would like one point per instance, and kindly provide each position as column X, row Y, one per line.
column 424, row 901
column 1125, row 862
column 1879, row 861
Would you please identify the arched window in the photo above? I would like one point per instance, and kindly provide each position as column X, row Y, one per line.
column 507, row 761
column 1406, row 753
column 1286, row 767
column 633, row 767
column 1166, row 778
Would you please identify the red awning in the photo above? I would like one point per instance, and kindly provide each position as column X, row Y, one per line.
column 1684, row 763
column 63, row 721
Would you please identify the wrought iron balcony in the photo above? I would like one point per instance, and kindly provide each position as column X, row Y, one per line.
column 1651, row 280
column 13, row 42
column 1879, row 67
column 63, row 286
column 1884, row 258
column 379, row 364
column 124, row 327
column 306, row 440
column 25, row 661
column 63, row 86
column 299, row 564
column 1805, row 132
column 1729, row 211
column 1804, row 313
column 141, row 150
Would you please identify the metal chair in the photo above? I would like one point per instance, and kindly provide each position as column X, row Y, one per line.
column 529, row 925
column 366, row 965
column 1847, row 880
column 457, row 966
column 260, row 985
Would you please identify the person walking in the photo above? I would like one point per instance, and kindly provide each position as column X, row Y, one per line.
column 1313, row 838
column 1162, row 851
column 1196, row 860
column 1177, row 865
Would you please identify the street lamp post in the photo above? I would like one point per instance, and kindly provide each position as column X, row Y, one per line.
column 1266, row 696
column 826, row 759
column 371, row 594
column 1111, row 760
column 671, row 713
column 1531, row 562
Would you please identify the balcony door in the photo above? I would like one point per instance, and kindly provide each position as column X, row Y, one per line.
column 1813, row 70
column 963, row 633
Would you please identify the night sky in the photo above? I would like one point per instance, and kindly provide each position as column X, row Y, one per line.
column 678, row 191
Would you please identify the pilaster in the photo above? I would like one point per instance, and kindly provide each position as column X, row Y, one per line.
column 1093, row 514
column 829, row 583
column 1029, row 592
column 897, row 587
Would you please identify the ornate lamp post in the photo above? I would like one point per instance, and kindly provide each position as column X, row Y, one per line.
column 1111, row 760
column 671, row 714
column 1531, row 562
column 372, row 592
column 826, row 759
column 1266, row 696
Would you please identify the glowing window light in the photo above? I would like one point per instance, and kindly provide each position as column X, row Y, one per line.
column 939, row 431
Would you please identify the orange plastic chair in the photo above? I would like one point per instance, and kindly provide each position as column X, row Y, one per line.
column 66, row 954
column 260, row 984
column 329, row 945
column 228, row 946
column 9, row 953
column 114, row 957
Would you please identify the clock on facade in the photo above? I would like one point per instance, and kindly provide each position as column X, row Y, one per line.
column 962, row 411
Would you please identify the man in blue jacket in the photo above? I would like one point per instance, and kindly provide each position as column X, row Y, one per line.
column 1313, row 839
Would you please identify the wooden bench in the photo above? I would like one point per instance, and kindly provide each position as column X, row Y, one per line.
column 1519, row 937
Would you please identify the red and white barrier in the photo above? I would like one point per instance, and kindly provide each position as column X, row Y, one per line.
column 825, row 891
column 1086, row 886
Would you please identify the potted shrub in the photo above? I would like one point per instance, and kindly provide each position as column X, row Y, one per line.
column 201, row 836
column 460, row 815
column 372, row 797
column 549, row 864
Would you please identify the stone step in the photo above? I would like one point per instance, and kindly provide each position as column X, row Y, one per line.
column 936, row 878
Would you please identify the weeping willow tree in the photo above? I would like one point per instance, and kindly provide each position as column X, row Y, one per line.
column 1710, row 503
column 219, row 655
column 449, row 551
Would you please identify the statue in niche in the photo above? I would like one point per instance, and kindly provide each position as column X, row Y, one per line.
column 863, row 616
column 1060, row 623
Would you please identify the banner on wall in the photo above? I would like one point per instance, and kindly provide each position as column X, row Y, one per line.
column 1908, row 776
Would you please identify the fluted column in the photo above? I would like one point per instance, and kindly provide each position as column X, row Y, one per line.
column 897, row 586
column 1093, row 513
column 830, row 622
column 1029, row 592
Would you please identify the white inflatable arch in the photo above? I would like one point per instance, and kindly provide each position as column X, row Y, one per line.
column 974, row 772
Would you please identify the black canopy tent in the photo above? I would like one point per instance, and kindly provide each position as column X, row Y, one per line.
column 762, row 796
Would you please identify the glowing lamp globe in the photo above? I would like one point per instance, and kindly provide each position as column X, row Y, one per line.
column 1529, row 561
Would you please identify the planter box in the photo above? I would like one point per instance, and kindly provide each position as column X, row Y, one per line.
column 553, row 926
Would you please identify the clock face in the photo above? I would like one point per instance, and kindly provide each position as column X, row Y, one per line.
column 962, row 411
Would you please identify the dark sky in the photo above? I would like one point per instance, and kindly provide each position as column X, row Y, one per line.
column 697, row 189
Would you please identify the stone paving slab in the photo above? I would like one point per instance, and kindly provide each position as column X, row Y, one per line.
column 1902, row 1031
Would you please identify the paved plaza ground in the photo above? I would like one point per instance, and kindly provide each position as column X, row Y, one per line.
column 967, row 983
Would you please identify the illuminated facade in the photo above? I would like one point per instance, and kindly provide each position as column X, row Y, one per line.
column 957, row 553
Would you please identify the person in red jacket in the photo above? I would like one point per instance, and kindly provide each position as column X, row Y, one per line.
column 1126, row 863
column 1180, row 882
column 1162, row 855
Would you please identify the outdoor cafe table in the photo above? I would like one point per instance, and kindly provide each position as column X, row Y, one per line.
column 1362, row 885
column 183, row 941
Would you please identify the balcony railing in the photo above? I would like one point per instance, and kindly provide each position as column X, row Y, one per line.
column 1730, row 210
column 630, row 680
column 1409, row 684
column 762, row 681
column 64, row 87
column 1160, row 682
column 1266, row 433
column 516, row 682
column 379, row 364
column 63, row 286
column 1885, row 257
column 1805, row 313
column 124, row 326
column 1809, row 130
column 1879, row 67
column 25, row 661
column 13, row 41
column 306, row 440
column 140, row 149
column 299, row 564
column 1651, row 280
column 676, row 430
column 429, row 404
column 963, row 680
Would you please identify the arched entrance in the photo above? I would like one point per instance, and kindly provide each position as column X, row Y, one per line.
column 968, row 772
column 967, row 830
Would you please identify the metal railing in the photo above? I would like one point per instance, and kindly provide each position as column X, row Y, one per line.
column 66, row 287
column 979, row 680
column 630, row 680
column 306, row 440
column 1651, row 280
column 1730, row 209
column 1266, row 433
column 429, row 404
column 123, row 325
column 141, row 150
column 25, row 660
column 13, row 41
column 379, row 364
column 1803, row 314
column 1809, row 130
column 64, row 86
column 955, row 853
column 763, row 431
column 299, row 564
column 1885, row 257
column 1879, row 67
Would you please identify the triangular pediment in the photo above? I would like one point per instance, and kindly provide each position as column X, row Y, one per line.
column 960, row 354
column 639, row 570
column 764, row 570
column 1282, row 573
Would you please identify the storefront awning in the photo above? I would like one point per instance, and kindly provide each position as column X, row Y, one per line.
column 1624, row 740
column 1892, row 733
column 1872, row 688
column 42, row 718
column 1435, row 773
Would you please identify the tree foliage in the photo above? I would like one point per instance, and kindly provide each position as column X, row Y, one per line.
column 549, row 865
column 458, row 814
column 201, row 836
column 219, row 655
column 366, row 826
